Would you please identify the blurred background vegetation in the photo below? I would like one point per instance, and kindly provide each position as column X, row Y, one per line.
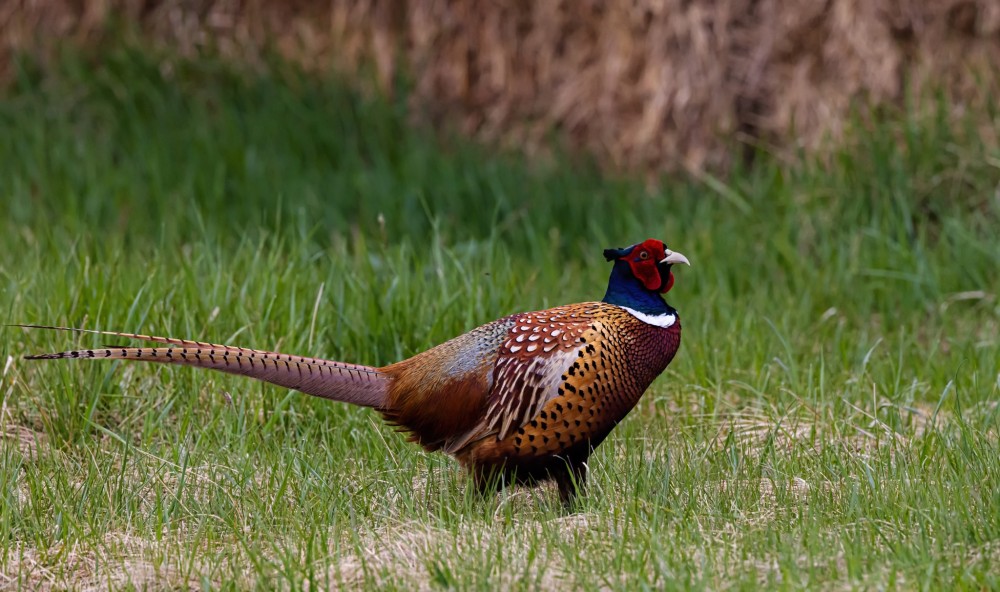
column 646, row 86
column 362, row 180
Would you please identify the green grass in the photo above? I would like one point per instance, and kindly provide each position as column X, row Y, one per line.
column 830, row 421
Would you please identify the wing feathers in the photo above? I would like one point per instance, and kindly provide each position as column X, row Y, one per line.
column 539, row 350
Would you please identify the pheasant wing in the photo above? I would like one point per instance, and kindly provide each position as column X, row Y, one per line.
column 532, row 364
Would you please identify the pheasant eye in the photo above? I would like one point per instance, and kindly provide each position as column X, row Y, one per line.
column 644, row 255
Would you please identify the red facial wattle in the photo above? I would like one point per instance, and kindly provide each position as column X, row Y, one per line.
column 669, row 283
column 644, row 261
column 647, row 273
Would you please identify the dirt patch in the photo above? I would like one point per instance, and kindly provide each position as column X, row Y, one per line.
column 27, row 440
column 859, row 430
column 119, row 560
column 401, row 552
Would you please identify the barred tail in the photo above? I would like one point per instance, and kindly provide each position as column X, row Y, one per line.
column 350, row 383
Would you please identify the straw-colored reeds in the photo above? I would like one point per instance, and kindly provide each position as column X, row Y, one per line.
column 653, row 85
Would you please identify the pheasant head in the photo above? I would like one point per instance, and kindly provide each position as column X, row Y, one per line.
column 641, row 274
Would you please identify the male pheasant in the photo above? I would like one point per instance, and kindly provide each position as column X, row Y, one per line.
column 524, row 398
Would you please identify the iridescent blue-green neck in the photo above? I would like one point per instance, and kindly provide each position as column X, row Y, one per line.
column 624, row 289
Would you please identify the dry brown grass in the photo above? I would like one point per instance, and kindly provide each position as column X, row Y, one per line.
column 396, row 551
column 27, row 440
column 121, row 560
column 385, row 555
column 861, row 435
column 644, row 85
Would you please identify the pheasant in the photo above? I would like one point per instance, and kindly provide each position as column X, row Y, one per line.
column 524, row 398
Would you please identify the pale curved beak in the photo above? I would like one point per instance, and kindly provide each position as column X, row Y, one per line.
column 675, row 257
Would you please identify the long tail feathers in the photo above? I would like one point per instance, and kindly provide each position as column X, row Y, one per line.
column 351, row 383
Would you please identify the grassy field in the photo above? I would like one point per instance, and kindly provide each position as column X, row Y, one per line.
column 830, row 421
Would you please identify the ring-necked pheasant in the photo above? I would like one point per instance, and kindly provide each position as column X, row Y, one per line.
column 526, row 397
